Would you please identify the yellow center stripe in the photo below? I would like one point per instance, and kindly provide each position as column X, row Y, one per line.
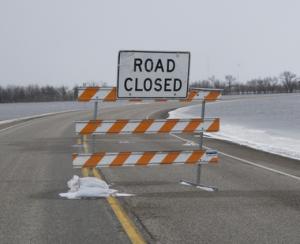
column 127, row 224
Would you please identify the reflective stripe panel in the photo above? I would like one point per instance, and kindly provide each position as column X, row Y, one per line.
column 120, row 159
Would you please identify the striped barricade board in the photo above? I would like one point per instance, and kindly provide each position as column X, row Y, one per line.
column 109, row 94
column 148, row 158
column 147, row 126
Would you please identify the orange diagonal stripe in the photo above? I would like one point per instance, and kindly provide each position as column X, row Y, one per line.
column 212, row 96
column 90, row 127
column 120, row 159
column 112, row 95
column 88, row 93
column 215, row 126
column 118, row 126
column 195, row 157
column 192, row 125
column 190, row 96
column 168, row 126
column 214, row 160
column 145, row 159
column 170, row 157
column 93, row 160
column 143, row 126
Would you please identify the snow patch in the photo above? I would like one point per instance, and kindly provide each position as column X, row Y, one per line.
column 184, row 183
column 124, row 194
column 264, row 140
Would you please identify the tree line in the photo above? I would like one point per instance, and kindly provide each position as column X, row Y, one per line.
column 35, row 93
column 286, row 82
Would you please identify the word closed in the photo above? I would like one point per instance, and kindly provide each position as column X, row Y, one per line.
column 149, row 74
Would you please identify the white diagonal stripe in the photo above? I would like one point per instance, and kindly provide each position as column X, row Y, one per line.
column 156, row 126
column 132, row 159
column 180, row 125
column 182, row 157
column 107, row 159
column 157, row 158
column 103, row 127
column 79, row 127
column 129, row 127
column 80, row 160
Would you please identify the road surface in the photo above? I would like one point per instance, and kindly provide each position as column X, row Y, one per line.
column 258, row 199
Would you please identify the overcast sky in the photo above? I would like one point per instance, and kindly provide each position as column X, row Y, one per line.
column 68, row 42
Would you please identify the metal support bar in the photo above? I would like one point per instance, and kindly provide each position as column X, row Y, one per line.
column 95, row 110
column 94, row 118
column 199, row 166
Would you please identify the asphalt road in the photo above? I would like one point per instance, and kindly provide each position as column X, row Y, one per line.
column 258, row 199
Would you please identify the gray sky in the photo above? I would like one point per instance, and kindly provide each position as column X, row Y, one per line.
column 61, row 42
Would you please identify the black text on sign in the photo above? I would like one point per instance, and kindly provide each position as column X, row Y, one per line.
column 148, row 74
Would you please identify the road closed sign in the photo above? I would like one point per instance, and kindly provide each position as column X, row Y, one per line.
column 150, row 74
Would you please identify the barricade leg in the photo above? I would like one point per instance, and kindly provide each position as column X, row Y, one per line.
column 198, row 184
column 95, row 117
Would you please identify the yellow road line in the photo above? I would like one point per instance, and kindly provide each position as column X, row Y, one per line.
column 85, row 172
column 127, row 224
column 85, row 145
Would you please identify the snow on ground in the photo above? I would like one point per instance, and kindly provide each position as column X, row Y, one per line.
column 261, row 139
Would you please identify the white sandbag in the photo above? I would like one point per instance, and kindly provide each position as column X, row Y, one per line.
column 87, row 187
column 76, row 182
column 93, row 182
column 88, row 192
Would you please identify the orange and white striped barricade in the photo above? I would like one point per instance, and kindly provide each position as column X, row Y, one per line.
column 147, row 126
column 148, row 158
column 109, row 94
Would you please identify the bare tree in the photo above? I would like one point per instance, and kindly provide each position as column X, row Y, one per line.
column 34, row 93
column 289, row 80
column 230, row 79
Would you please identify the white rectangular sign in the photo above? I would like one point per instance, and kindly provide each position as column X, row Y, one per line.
column 151, row 74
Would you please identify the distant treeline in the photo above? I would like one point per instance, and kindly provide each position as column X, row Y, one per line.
column 35, row 93
column 286, row 82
